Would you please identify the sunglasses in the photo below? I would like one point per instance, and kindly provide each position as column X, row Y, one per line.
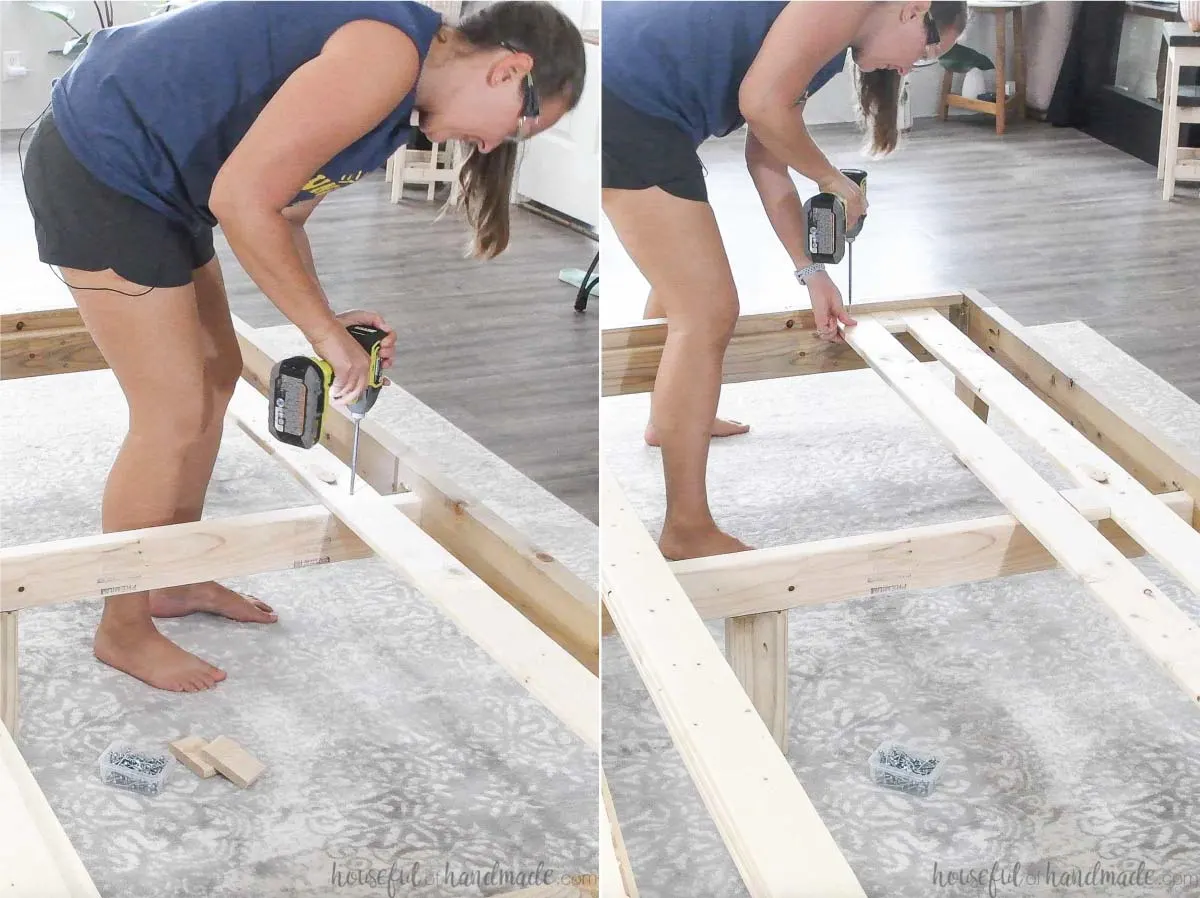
column 531, row 106
column 933, row 38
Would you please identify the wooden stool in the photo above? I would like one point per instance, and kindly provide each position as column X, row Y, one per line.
column 1174, row 161
column 438, row 165
column 999, row 107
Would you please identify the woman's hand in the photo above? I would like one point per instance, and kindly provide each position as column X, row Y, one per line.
column 851, row 194
column 387, row 349
column 350, row 363
column 826, row 301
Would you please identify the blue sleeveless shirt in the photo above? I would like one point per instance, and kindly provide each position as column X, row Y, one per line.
column 154, row 109
column 684, row 61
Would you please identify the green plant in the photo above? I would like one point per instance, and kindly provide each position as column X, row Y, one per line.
column 961, row 59
column 75, row 45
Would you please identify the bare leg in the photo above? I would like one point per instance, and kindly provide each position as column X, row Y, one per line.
column 222, row 367
column 676, row 245
column 154, row 344
column 722, row 427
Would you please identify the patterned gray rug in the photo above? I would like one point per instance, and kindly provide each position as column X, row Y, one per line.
column 389, row 738
column 1066, row 747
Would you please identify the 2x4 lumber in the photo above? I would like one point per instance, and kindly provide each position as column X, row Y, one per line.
column 763, row 346
column 853, row 567
column 1158, row 625
column 529, row 578
column 1134, row 442
column 109, row 564
column 757, row 648
column 47, row 342
column 36, row 858
column 616, row 873
column 549, row 673
column 773, row 832
column 1172, row 541
column 973, row 402
column 8, row 669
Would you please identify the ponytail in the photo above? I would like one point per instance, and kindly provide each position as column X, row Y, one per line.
column 878, row 92
column 556, row 46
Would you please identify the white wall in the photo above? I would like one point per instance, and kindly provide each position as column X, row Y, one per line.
column 33, row 33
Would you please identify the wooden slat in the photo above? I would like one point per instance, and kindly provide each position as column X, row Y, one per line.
column 1159, row 627
column 757, row 648
column 616, row 873
column 47, row 342
column 36, row 858
column 1136, row 443
column 772, row 831
column 852, row 567
column 8, row 669
column 774, row 344
column 157, row 557
column 528, row 577
column 551, row 675
column 1172, row 541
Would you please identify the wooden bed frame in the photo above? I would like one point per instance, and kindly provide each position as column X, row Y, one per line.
column 1137, row 485
column 526, row 610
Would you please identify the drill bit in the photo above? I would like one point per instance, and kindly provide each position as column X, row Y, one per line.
column 354, row 452
column 850, row 267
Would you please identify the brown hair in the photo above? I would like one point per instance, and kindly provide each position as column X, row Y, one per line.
column 879, row 91
column 541, row 30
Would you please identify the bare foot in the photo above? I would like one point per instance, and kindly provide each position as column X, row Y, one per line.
column 141, row 651
column 677, row 543
column 720, row 428
column 211, row 598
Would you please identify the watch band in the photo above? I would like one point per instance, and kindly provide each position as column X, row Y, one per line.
column 803, row 274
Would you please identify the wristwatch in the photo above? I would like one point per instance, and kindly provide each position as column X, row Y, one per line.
column 803, row 274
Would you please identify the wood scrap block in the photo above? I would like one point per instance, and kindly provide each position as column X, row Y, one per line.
column 187, row 752
column 232, row 761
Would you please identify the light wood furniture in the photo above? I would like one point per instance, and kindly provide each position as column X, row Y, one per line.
column 534, row 617
column 1003, row 106
column 1180, row 106
column 1135, row 492
column 439, row 165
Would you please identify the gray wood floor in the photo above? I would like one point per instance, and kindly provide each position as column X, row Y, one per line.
column 1048, row 223
column 496, row 348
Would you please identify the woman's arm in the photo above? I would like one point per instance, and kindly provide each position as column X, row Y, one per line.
column 782, row 203
column 297, row 217
column 804, row 37
column 364, row 70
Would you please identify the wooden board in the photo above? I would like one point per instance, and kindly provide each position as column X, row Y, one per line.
column 870, row 564
column 1136, row 443
column 1165, row 633
column 551, row 675
column 1172, row 541
column 773, row 832
column 49, row 342
column 773, row 344
column 616, row 874
column 108, row 564
column 8, row 669
column 528, row 577
column 36, row 858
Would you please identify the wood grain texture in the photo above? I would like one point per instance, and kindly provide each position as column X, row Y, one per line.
column 757, row 648
column 763, row 346
column 770, row 827
column 852, row 567
column 42, row 350
column 616, row 874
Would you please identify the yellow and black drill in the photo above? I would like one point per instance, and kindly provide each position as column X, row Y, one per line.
column 825, row 224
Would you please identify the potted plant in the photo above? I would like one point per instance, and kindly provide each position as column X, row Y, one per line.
column 971, row 64
column 76, row 45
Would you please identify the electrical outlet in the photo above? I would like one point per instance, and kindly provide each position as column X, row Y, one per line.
column 11, row 66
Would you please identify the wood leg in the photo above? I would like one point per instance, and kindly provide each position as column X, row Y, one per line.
column 433, row 166
column 399, row 161
column 943, row 102
column 970, row 400
column 1019, row 61
column 8, row 670
column 1001, row 77
column 1171, row 125
column 757, row 648
column 1163, row 130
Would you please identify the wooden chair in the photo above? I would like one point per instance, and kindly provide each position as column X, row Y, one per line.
column 1180, row 106
column 1000, row 106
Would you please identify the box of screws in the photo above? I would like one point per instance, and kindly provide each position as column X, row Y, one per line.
column 135, row 768
column 897, row 767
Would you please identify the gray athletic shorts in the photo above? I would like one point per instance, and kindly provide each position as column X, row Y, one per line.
column 83, row 223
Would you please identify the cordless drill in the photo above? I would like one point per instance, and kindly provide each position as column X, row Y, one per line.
column 825, row 223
